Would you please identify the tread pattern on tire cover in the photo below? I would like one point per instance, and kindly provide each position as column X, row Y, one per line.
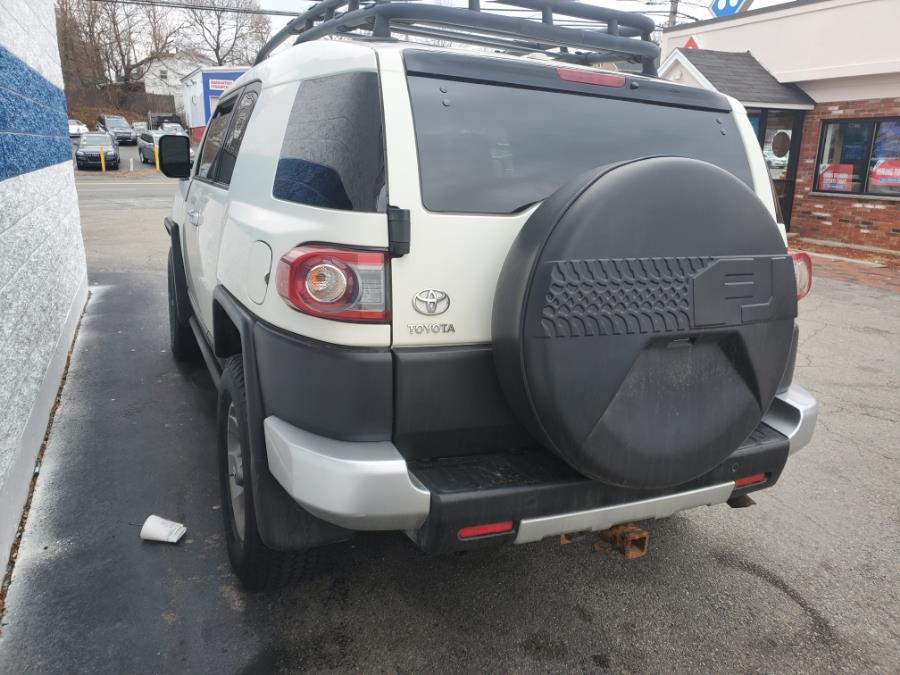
column 620, row 296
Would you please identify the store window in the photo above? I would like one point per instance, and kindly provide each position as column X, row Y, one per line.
column 777, row 144
column 860, row 157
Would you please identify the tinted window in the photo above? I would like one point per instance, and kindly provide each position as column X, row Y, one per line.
column 95, row 139
column 333, row 155
column 215, row 134
column 486, row 148
column 233, row 144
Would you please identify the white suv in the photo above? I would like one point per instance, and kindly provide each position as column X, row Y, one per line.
column 476, row 296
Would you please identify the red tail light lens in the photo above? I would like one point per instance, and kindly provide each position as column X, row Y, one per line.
column 335, row 283
column 802, row 272
column 589, row 77
column 483, row 530
column 750, row 480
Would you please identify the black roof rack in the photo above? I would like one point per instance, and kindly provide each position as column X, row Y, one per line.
column 613, row 41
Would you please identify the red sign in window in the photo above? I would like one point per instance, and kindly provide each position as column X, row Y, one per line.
column 885, row 173
column 836, row 177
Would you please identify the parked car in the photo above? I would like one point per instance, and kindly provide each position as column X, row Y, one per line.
column 173, row 128
column 90, row 148
column 147, row 144
column 156, row 121
column 76, row 128
column 117, row 127
column 479, row 298
column 139, row 127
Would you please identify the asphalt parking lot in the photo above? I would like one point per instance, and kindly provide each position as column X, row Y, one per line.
column 806, row 581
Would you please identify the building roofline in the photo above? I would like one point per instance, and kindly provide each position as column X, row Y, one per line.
column 742, row 15
column 216, row 69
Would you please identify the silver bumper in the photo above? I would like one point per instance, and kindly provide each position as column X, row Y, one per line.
column 361, row 486
column 366, row 486
column 794, row 414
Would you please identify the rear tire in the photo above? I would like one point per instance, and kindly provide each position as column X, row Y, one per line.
column 182, row 342
column 259, row 567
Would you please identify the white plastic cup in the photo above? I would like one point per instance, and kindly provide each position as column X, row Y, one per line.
column 160, row 529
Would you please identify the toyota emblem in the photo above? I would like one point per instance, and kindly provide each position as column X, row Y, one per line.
column 431, row 301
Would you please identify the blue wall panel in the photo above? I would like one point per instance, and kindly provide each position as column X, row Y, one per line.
column 33, row 128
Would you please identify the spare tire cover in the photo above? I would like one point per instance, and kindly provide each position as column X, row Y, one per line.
column 643, row 319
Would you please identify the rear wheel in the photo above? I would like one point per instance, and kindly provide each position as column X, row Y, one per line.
column 181, row 338
column 258, row 566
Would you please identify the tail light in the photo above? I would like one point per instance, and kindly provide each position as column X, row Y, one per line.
column 591, row 77
column 753, row 479
column 474, row 531
column 334, row 283
column 802, row 272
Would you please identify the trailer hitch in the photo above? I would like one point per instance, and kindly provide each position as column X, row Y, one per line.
column 631, row 541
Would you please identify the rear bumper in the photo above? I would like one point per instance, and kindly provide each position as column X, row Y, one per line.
column 369, row 486
column 95, row 161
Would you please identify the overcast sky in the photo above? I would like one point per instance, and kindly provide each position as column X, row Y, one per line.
column 697, row 8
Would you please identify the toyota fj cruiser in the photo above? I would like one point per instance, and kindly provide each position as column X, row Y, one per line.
column 481, row 296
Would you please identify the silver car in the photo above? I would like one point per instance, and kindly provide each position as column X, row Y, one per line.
column 147, row 141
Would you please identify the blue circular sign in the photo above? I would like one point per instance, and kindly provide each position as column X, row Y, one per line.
column 722, row 8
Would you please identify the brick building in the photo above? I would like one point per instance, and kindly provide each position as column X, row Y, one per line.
column 820, row 80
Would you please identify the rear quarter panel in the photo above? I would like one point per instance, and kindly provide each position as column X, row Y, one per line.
column 255, row 215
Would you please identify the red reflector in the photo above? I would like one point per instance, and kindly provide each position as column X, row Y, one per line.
column 750, row 480
column 803, row 272
column 588, row 77
column 481, row 530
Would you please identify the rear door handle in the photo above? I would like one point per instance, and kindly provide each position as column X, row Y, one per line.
column 193, row 217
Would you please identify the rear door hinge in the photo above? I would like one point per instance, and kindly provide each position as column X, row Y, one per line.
column 398, row 231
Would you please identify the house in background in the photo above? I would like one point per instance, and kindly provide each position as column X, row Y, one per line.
column 163, row 75
column 821, row 82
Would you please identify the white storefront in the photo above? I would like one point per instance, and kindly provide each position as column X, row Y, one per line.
column 43, row 282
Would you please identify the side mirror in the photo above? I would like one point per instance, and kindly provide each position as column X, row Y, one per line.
column 175, row 156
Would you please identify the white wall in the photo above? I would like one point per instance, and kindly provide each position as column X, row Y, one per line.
column 824, row 41
column 43, row 284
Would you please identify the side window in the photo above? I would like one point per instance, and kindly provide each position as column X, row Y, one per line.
column 233, row 145
column 215, row 134
column 333, row 150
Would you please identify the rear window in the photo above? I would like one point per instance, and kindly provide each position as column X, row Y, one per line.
column 490, row 148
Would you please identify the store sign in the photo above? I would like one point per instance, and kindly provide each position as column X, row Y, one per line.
column 721, row 8
column 885, row 173
column 219, row 85
column 836, row 177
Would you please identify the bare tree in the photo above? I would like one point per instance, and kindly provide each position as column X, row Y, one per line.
column 225, row 36
column 164, row 29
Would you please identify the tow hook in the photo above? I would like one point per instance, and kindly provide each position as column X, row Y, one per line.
column 741, row 502
column 631, row 541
